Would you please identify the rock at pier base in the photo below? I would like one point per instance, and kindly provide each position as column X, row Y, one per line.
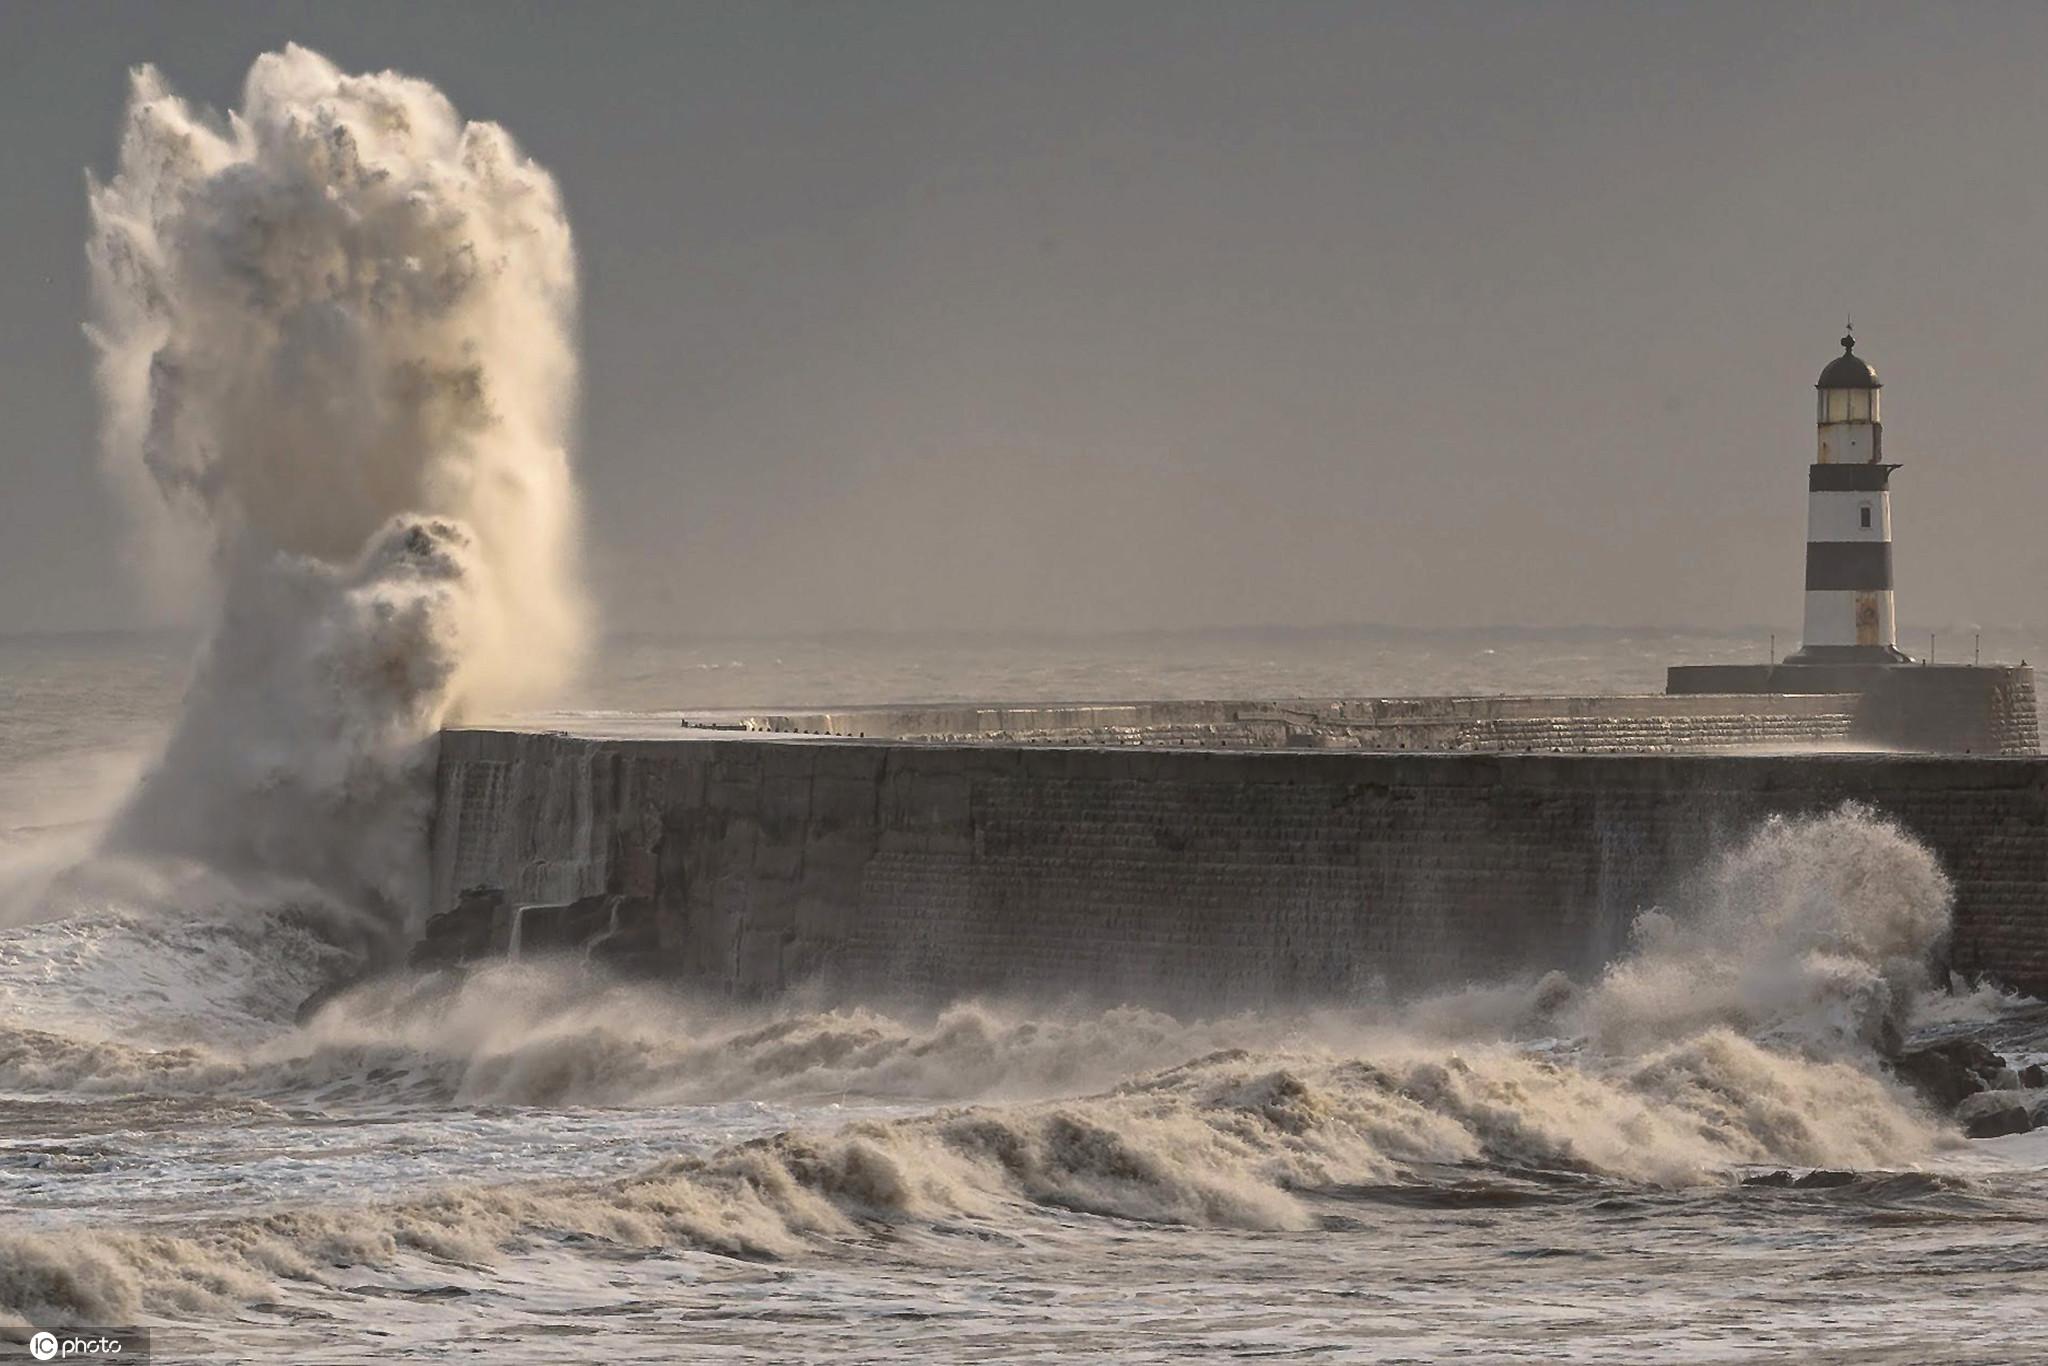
column 1964, row 1077
column 1994, row 1115
column 1950, row 1072
column 462, row 933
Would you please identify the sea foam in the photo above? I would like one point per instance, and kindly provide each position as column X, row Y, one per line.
column 335, row 349
column 1255, row 1122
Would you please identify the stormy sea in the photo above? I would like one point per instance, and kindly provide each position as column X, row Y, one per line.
column 335, row 336
column 538, row 1164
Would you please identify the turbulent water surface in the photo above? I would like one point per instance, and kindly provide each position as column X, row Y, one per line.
column 538, row 1165
column 334, row 330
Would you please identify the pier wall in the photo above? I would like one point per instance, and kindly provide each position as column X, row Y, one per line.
column 1186, row 877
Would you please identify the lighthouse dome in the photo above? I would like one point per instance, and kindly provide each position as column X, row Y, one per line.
column 1848, row 370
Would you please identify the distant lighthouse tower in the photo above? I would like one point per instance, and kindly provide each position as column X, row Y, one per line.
column 1850, row 618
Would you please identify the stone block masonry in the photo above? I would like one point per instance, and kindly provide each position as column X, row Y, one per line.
column 1197, row 879
column 1606, row 724
column 1933, row 708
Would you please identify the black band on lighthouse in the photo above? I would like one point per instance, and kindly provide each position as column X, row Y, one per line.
column 1856, row 478
column 1853, row 566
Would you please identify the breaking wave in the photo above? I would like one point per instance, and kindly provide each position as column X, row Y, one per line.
column 1235, row 1141
column 1742, row 1029
column 1812, row 938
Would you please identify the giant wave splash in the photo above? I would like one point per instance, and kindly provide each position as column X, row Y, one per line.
column 335, row 350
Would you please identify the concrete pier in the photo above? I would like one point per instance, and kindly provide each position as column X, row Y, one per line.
column 1201, row 878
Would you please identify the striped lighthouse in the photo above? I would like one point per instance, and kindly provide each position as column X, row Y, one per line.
column 1850, row 618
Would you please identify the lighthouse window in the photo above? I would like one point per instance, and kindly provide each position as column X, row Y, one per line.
column 1866, row 516
column 1848, row 405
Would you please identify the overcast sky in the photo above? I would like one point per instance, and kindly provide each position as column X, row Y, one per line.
column 1107, row 314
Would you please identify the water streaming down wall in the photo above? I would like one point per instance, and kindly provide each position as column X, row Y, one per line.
column 1203, row 878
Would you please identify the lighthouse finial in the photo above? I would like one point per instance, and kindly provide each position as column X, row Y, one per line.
column 1848, row 333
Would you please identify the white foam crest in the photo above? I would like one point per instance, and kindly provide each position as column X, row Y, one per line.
column 1250, row 1141
column 537, row 1033
column 1816, row 933
column 334, row 339
column 540, row 1034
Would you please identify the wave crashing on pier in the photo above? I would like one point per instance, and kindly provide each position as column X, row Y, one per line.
column 335, row 347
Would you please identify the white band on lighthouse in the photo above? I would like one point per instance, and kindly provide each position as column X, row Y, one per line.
column 1849, row 515
column 1842, row 622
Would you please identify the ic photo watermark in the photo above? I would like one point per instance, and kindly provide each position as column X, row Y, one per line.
column 77, row 1345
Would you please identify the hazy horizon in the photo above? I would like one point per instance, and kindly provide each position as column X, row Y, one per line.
column 1132, row 317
